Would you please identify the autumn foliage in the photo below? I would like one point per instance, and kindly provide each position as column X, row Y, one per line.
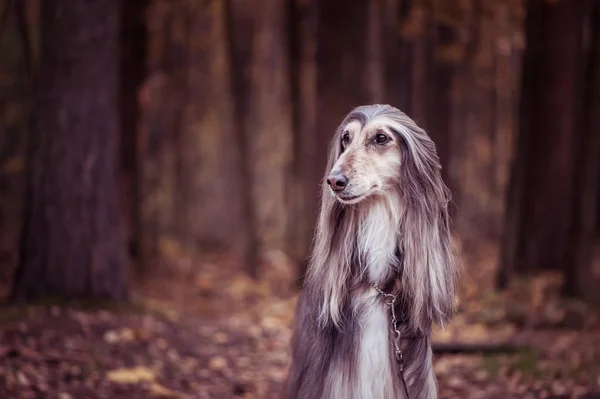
column 171, row 152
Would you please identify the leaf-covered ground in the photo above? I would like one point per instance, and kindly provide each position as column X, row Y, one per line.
column 218, row 334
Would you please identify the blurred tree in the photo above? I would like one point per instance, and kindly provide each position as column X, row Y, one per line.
column 507, row 41
column 72, row 243
column 207, row 146
column 445, row 52
column 511, row 238
column 15, row 95
column 302, row 16
column 580, row 281
column 440, row 101
column 396, row 53
column 375, row 41
column 133, row 72
column 473, row 139
column 162, row 99
column 541, row 191
column 193, row 186
column 417, row 38
column 263, row 91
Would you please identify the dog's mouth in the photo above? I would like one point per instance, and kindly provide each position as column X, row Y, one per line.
column 347, row 198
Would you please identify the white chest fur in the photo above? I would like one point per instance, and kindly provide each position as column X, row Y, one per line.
column 377, row 239
column 374, row 368
column 377, row 242
column 372, row 378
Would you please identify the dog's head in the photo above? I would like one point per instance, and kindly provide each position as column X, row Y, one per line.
column 377, row 149
column 369, row 160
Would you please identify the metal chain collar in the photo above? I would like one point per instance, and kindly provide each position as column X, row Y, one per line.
column 390, row 301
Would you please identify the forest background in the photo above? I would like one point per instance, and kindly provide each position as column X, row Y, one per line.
column 166, row 156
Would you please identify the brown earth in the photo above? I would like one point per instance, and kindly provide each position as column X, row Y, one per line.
column 218, row 334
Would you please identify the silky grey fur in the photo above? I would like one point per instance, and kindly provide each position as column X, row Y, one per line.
column 327, row 327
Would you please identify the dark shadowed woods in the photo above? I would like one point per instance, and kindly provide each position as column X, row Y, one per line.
column 160, row 169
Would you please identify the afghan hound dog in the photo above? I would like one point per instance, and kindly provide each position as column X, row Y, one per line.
column 381, row 269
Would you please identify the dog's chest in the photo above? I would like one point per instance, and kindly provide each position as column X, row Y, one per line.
column 371, row 373
column 376, row 242
column 374, row 362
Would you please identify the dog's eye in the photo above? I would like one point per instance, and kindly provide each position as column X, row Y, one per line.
column 345, row 139
column 381, row 138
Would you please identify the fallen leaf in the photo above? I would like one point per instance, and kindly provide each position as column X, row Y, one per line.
column 455, row 382
column 142, row 334
column 126, row 335
column 111, row 337
column 22, row 379
column 221, row 338
column 130, row 376
column 217, row 363
column 157, row 390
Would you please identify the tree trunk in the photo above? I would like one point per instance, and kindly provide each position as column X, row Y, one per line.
column 166, row 194
column 440, row 101
column 541, row 189
column 478, row 218
column 398, row 55
column 375, row 46
column 133, row 73
column 260, row 39
column 270, row 124
column 304, row 191
column 507, row 70
column 240, row 30
column 512, row 238
column 548, row 188
column 73, row 242
column 420, row 71
column 580, row 280
column 207, row 145
column 394, row 68
column 190, row 130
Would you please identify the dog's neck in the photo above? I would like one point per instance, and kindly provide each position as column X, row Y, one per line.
column 354, row 244
column 378, row 222
column 379, row 264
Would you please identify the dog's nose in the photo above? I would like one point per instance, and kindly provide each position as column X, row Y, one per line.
column 337, row 181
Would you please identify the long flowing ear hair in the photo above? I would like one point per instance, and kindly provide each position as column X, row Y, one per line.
column 429, row 266
column 330, row 263
column 424, row 236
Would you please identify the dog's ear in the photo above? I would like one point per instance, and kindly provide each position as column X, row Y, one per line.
column 325, row 283
column 425, row 238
